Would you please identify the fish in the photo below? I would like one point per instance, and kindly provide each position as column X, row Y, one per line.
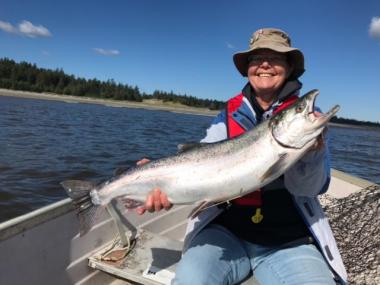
column 211, row 173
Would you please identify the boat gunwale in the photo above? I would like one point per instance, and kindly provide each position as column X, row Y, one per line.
column 32, row 219
column 357, row 181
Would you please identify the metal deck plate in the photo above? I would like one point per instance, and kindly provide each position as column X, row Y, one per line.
column 152, row 260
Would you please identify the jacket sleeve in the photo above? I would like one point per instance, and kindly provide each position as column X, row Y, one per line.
column 218, row 129
column 310, row 176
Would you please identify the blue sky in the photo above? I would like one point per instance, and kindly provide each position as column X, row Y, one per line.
column 187, row 46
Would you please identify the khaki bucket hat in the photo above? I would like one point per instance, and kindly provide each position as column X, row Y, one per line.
column 273, row 39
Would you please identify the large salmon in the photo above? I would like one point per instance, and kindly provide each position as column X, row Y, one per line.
column 212, row 172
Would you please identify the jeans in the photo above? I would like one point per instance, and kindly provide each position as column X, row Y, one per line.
column 216, row 256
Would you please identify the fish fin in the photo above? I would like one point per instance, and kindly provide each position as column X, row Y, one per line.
column 199, row 208
column 87, row 211
column 130, row 203
column 183, row 147
column 275, row 168
column 121, row 170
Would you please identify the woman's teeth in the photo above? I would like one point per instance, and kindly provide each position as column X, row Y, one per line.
column 265, row 75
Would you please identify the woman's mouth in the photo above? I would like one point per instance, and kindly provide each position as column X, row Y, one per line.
column 265, row 74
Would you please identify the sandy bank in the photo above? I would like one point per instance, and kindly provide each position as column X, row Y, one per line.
column 150, row 104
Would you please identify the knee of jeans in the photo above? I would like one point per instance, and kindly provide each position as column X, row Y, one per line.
column 184, row 276
column 189, row 276
column 196, row 267
column 213, row 257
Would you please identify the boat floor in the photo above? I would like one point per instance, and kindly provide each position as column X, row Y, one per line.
column 151, row 260
column 46, row 245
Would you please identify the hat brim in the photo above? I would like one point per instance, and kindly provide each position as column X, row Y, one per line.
column 295, row 56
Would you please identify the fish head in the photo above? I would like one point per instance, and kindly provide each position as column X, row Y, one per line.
column 298, row 125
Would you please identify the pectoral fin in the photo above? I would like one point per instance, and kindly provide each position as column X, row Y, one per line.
column 129, row 203
column 199, row 208
column 276, row 168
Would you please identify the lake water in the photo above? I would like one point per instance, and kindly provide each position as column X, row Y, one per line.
column 45, row 142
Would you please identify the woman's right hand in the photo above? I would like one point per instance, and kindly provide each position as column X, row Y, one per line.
column 156, row 199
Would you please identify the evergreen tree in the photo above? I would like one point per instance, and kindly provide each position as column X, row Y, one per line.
column 28, row 77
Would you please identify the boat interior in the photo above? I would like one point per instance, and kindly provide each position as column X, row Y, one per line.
column 44, row 247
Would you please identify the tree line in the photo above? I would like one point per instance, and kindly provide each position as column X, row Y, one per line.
column 354, row 122
column 28, row 77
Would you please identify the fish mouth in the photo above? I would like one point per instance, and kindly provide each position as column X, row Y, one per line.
column 319, row 118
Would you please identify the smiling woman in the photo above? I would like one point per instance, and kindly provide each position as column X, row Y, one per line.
column 281, row 225
column 267, row 71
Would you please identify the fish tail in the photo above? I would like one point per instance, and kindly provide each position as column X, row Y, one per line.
column 87, row 211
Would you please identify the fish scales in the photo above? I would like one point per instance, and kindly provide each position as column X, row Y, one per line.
column 212, row 172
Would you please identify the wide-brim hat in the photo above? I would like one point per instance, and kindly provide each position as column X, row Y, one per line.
column 273, row 39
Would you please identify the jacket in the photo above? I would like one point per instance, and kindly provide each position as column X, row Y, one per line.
column 305, row 180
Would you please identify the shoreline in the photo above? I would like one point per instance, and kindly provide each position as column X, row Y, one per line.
column 147, row 104
column 338, row 125
column 150, row 104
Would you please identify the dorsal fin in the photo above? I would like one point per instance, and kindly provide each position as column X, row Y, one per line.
column 183, row 147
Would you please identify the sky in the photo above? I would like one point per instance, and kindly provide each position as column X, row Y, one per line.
column 187, row 46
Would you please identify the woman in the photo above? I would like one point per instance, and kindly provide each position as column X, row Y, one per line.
column 278, row 232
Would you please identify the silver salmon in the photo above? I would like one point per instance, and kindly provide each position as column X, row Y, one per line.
column 215, row 172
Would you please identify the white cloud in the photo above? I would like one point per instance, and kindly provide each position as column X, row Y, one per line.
column 25, row 28
column 106, row 52
column 7, row 27
column 30, row 30
column 374, row 27
column 230, row 46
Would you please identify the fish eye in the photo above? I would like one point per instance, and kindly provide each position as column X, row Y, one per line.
column 299, row 108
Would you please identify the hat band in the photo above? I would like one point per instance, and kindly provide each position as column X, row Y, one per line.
column 270, row 44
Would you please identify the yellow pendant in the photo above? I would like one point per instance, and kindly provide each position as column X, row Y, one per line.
column 257, row 217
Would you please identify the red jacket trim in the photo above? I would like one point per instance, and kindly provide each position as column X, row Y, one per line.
column 233, row 128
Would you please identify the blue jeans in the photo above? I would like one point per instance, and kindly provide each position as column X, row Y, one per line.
column 216, row 256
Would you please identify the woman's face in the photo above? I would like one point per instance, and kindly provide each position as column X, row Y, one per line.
column 267, row 71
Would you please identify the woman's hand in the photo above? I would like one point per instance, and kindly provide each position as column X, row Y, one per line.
column 156, row 200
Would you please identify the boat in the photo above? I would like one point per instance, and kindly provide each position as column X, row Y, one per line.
column 44, row 247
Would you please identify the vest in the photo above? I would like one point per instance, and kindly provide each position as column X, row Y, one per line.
column 234, row 130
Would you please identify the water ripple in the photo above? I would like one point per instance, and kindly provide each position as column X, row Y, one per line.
column 44, row 142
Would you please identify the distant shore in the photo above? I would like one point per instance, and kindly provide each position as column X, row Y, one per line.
column 150, row 104
column 353, row 126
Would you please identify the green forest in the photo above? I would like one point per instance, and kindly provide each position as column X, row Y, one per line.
column 28, row 77
column 354, row 122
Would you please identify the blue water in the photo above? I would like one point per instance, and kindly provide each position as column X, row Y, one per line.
column 356, row 151
column 45, row 142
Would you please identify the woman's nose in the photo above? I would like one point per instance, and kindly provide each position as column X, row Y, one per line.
column 265, row 63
